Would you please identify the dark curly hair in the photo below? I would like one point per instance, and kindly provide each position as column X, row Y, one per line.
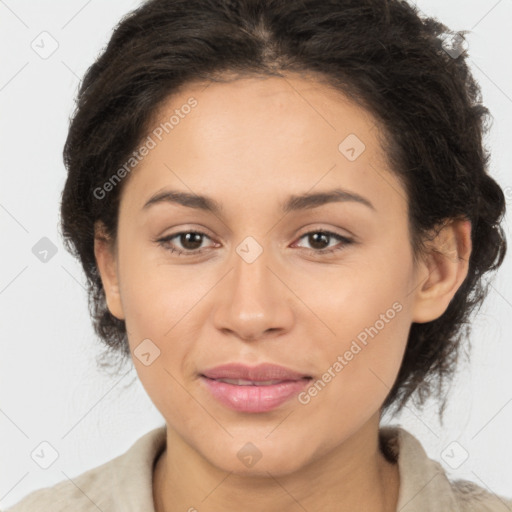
column 383, row 54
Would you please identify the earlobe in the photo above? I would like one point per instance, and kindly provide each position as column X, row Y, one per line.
column 107, row 267
column 443, row 271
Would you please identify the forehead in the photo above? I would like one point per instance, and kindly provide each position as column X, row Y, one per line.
column 300, row 105
column 258, row 135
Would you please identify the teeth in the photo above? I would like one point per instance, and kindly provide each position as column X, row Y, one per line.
column 242, row 382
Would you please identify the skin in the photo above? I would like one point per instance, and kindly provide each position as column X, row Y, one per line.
column 250, row 144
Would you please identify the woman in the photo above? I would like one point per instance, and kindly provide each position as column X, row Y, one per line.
column 284, row 213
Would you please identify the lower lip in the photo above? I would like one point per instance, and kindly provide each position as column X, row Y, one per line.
column 254, row 398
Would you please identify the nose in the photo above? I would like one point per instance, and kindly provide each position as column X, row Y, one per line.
column 254, row 301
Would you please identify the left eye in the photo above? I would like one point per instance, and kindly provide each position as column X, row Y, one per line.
column 320, row 237
column 191, row 242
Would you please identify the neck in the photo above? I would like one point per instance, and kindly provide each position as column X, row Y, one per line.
column 354, row 476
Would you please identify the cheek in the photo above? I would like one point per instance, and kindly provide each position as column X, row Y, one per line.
column 156, row 296
column 162, row 305
column 156, row 307
column 367, row 312
column 359, row 369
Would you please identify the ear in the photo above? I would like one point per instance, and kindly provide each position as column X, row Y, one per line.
column 106, row 260
column 442, row 270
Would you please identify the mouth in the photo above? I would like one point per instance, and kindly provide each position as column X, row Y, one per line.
column 253, row 389
column 263, row 372
column 243, row 382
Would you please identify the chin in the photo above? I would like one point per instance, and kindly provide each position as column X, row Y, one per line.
column 258, row 459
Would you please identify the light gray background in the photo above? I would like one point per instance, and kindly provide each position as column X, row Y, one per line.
column 50, row 388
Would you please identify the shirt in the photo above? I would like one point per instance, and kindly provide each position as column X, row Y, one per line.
column 124, row 484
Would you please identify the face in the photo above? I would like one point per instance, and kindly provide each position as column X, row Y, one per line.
column 323, row 288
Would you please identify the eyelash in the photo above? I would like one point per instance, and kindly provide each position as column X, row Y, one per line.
column 164, row 242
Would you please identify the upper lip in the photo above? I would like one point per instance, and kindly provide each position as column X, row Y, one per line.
column 261, row 372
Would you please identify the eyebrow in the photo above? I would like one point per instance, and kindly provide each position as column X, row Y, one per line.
column 293, row 203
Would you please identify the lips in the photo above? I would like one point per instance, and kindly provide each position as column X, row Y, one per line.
column 253, row 389
column 242, row 382
column 254, row 374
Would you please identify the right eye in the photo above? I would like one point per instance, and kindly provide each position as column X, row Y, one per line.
column 189, row 240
